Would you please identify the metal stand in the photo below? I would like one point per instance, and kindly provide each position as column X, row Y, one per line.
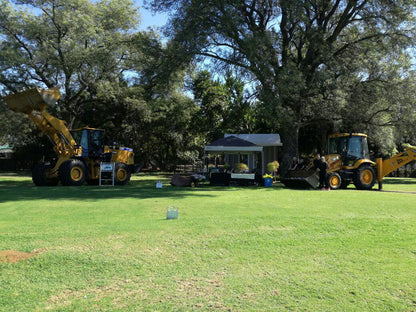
column 107, row 173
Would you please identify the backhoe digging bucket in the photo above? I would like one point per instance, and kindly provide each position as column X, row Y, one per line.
column 33, row 99
column 301, row 179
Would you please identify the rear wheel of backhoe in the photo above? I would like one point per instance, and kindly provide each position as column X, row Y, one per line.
column 72, row 172
column 39, row 176
column 364, row 177
column 334, row 180
column 122, row 174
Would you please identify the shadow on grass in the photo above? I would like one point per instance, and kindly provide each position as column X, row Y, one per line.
column 17, row 190
column 21, row 173
column 399, row 181
column 351, row 187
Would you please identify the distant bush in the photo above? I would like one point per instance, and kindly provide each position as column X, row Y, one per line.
column 226, row 167
column 241, row 167
column 273, row 166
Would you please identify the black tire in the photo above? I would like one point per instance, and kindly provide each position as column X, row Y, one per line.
column 72, row 172
column 364, row 177
column 39, row 176
column 122, row 174
column 334, row 180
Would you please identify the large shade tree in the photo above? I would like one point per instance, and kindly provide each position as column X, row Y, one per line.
column 222, row 106
column 93, row 52
column 381, row 105
column 78, row 45
column 156, row 119
column 111, row 75
column 299, row 52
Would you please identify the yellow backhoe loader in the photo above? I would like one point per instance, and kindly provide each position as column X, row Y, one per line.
column 79, row 152
column 349, row 161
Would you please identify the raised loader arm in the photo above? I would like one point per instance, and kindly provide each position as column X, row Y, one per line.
column 33, row 102
column 386, row 166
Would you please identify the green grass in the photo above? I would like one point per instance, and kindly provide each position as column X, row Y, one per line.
column 232, row 248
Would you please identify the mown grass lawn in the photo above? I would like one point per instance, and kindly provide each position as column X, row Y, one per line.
column 232, row 248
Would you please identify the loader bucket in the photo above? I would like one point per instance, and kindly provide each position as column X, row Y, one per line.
column 32, row 99
column 301, row 179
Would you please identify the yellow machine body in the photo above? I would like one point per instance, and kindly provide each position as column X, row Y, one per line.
column 75, row 163
column 348, row 162
column 386, row 166
column 32, row 100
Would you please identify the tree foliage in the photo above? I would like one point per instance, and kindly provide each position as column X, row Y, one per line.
column 312, row 66
column 301, row 53
column 223, row 106
column 77, row 45
column 110, row 75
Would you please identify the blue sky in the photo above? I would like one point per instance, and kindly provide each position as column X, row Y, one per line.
column 149, row 19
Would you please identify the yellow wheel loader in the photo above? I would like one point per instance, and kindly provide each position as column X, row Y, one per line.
column 349, row 162
column 79, row 152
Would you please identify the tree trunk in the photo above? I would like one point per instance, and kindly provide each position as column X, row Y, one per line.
column 290, row 135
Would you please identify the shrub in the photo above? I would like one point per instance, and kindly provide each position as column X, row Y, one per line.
column 226, row 167
column 241, row 167
column 273, row 166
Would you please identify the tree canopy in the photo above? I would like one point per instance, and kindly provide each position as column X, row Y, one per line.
column 305, row 55
column 77, row 45
column 300, row 68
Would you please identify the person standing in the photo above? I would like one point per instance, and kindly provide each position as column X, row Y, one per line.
column 317, row 162
column 323, row 181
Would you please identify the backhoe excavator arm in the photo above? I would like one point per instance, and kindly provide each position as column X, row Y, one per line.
column 386, row 166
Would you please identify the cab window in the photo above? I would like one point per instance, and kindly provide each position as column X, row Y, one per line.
column 355, row 148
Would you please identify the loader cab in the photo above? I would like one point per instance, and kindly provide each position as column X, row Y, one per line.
column 91, row 141
column 351, row 147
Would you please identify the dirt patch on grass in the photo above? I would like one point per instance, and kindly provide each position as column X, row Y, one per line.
column 195, row 293
column 118, row 290
column 12, row 256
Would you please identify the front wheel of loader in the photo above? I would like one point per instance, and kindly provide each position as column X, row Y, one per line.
column 122, row 174
column 334, row 180
column 39, row 176
column 364, row 177
column 72, row 172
